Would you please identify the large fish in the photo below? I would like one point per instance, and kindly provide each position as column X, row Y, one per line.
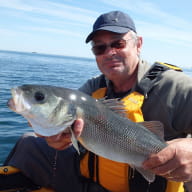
column 51, row 110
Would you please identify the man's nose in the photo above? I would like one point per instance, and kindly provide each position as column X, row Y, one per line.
column 110, row 50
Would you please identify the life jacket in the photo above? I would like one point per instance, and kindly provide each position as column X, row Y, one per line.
column 119, row 177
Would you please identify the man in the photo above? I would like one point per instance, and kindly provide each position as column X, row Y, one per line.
column 117, row 48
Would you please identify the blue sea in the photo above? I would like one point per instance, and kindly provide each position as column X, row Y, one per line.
column 17, row 68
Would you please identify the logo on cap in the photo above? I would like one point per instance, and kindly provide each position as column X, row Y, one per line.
column 115, row 20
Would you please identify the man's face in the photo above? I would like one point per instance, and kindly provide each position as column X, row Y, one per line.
column 120, row 57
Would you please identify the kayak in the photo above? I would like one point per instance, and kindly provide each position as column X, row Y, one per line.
column 13, row 180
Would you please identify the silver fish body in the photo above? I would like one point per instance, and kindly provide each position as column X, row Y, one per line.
column 51, row 110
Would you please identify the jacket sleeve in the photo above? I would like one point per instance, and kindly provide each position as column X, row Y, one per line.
column 170, row 102
column 44, row 165
column 180, row 100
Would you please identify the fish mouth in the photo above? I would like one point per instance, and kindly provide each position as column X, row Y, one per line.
column 17, row 102
column 11, row 104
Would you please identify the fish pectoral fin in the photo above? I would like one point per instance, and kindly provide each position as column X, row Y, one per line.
column 148, row 175
column 156, row 127
column 74, row 141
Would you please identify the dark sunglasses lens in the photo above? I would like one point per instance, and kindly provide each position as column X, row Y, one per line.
column 119, row 44
column 99, row 49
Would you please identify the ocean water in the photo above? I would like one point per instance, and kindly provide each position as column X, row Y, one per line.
column 18, row 68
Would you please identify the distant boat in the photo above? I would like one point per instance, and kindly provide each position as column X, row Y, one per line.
column 33, row 52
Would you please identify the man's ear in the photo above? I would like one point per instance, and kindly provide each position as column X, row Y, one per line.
column 139, row 44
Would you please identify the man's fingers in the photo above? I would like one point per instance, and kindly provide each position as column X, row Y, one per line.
column 156, row 160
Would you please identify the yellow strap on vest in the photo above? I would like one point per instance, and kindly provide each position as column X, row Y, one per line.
column 170, row 66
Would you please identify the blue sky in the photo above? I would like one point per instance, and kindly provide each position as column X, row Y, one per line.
column 61, row 26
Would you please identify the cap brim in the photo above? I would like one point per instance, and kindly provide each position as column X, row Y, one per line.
column 115, row 29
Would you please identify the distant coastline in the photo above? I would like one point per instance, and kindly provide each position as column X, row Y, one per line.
column 49, row 54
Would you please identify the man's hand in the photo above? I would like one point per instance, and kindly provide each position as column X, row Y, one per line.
column 174, row 162
column 63, row 140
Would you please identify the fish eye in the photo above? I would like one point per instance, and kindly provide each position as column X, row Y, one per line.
column 39, row 96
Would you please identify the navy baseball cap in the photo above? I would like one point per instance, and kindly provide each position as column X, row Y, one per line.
column 114, row 21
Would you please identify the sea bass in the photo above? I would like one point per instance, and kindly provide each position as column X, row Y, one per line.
column 51, row 110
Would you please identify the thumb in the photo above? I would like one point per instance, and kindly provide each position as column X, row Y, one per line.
column 78, row 127
column 159, row 158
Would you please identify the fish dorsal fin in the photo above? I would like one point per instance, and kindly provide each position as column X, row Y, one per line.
column 115, row 105
column 154, row 126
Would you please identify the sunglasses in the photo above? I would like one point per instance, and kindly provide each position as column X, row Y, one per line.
column 118, row 44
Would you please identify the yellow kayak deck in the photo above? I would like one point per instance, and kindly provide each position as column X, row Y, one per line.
column 10, row 170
